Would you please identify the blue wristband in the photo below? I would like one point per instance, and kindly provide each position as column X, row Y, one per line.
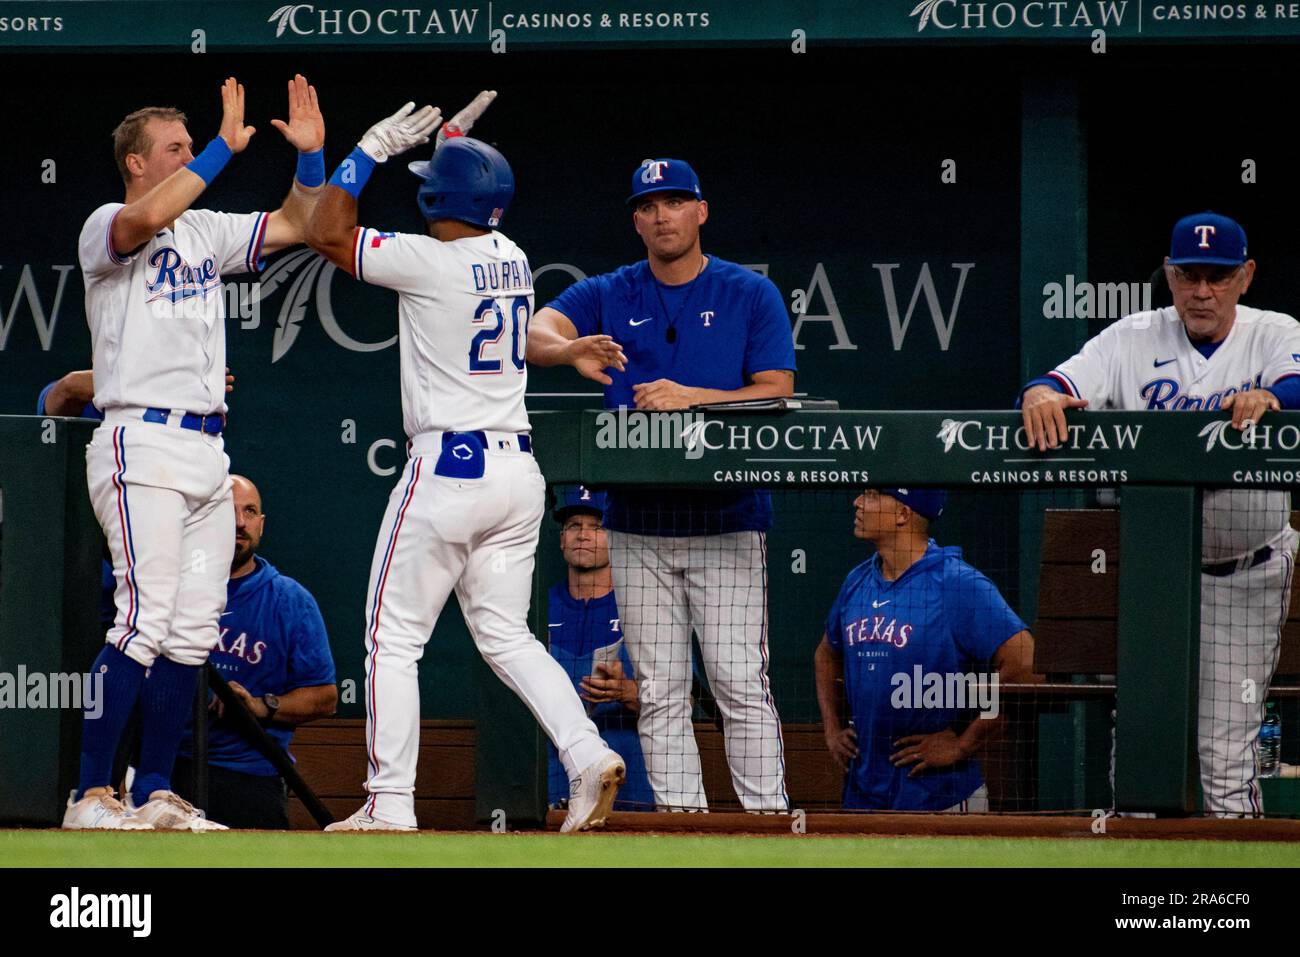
column 211, row 161
column 353, row 172
column 311, row 168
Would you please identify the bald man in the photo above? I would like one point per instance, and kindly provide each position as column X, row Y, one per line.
column 275, row 654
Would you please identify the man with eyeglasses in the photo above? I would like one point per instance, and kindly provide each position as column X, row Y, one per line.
column 1206, row 352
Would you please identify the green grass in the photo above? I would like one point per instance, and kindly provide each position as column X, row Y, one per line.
column 242, row 849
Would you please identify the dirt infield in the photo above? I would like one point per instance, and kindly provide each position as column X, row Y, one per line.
column 950, row 825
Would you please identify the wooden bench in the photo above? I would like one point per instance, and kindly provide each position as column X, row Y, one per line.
column 1076, row 630
column 332, row 760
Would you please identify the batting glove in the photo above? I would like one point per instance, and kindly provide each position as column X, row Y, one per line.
column 399, row 132
column 460, row 124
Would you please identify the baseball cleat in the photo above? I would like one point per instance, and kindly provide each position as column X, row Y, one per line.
column 169, row 812
column 361, row 821
column 591, row 794
column 103, row 812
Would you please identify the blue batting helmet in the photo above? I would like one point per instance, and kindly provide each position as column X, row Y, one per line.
column 466, row 180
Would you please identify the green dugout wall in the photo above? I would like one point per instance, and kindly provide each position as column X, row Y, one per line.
column 49, row 549
column 910, row 176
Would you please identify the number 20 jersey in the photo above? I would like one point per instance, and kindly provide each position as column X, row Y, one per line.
column 463, row 311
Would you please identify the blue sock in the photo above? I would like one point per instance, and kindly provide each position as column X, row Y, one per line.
column 165, row 705
column 122, row 678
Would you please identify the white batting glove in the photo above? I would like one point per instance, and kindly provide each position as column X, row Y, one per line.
column 461, row 123
column 399, row 132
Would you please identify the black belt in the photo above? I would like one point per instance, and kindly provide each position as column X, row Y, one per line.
column 1223, row 569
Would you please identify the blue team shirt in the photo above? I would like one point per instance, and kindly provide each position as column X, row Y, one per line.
column 578, row 629
column 273, row 641
column 940, row 614
column 731, row 323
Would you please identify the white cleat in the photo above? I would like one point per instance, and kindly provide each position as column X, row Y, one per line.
column 591, row 794
column 103, row 812
column 361, row 821
column 169, row 812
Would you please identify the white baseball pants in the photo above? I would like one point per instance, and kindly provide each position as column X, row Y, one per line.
column 162, row 496
column 716, row 585
column 478, row 537
column 1241, row 636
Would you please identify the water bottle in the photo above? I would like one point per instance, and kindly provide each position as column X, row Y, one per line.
column 1270, row 743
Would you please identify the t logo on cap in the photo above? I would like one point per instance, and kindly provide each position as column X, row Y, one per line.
column 1208, row 239
column 664, row 176
column 652, row 171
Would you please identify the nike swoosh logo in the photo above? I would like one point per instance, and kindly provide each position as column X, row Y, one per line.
column 225, row 613
column 633, row 322
column 1158, row 363
column 880, row 604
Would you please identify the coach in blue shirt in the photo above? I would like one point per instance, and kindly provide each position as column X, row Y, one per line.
column 911, row 633
column 275, row 654
column 676, row 330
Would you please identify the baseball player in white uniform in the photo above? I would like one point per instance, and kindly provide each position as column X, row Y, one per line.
column 465, row 514
column 1207, row 352
column 156, row 467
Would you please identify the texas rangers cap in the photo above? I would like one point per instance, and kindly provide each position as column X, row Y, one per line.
column 577, row 498
column 926, row 502
column 664, row 176
column 1207, row 238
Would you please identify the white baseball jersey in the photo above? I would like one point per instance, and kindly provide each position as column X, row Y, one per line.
column 463, row 312
column 1146, row 361
column 157, row 315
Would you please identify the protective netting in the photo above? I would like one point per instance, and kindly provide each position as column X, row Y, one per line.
column 867, row 651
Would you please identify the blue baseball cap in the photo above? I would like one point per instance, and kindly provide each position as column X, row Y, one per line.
column 577, row 498
column 926, row 502
column 1207, row 238
column 664, row 176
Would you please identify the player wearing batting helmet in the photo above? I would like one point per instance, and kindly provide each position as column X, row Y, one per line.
column 466, row 512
